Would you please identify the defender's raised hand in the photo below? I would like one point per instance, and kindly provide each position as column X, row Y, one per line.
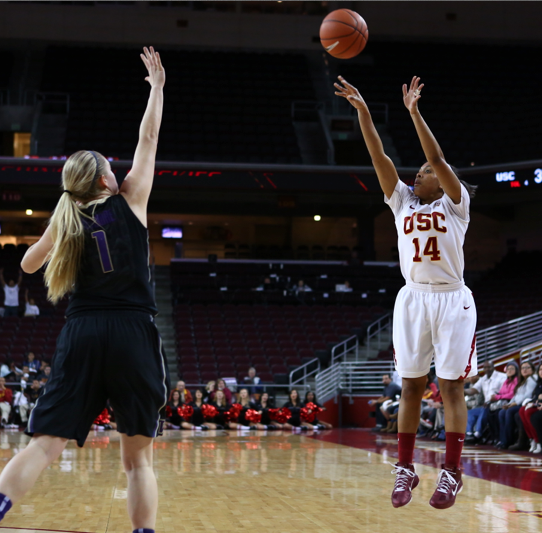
column 413, row 94
column 157, row 74
column 350, row 93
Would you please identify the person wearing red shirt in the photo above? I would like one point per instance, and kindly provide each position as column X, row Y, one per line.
column 6, row 397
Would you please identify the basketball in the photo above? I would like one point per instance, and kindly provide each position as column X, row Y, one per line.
column 344, row 33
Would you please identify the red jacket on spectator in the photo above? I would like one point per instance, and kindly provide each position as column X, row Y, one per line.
column 6, row 395
column 227, row 393
column 432, row 393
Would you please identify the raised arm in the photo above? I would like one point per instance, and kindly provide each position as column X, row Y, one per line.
column 136, row 187
column 385, row 169
column 446, row 176
column 2, row 280
column 20, row 279
column 38, row 253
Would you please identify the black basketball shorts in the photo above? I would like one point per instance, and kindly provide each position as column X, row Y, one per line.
column 100, row 356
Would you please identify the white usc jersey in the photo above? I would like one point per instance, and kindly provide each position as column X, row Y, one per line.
column 431, row 236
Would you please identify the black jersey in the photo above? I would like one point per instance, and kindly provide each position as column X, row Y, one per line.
column 114, row 271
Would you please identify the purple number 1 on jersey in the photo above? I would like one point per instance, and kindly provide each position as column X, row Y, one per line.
column 103, row 250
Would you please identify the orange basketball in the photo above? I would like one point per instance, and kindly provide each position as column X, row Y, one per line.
column 344, row 33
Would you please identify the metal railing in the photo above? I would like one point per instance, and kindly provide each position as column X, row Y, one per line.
column 380, row 330
column 307, row 370
column 341, row 350
column 359, row 377
column 509, row 337
column 531, row 353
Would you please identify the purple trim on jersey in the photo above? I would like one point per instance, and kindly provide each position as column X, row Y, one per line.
column 103, row 250
column 102, row 219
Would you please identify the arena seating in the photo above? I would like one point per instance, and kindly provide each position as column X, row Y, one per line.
column 219, row 106
column 467, row 86
column 512, row 289
column 225, row 340
column 5, row 71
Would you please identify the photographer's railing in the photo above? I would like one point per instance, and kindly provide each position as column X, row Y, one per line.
column 532, row 353
column 300, row 376
column 343, row 349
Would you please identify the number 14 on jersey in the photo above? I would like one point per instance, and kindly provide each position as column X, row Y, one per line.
column 430, row 250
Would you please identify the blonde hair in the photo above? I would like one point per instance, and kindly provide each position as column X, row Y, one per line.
column 79, row 185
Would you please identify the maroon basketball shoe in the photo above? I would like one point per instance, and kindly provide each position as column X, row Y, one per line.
column 406, row 480
column 449, row 485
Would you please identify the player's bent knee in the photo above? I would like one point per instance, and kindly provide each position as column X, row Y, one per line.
column 51, row 446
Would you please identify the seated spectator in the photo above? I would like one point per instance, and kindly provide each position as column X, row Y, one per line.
column 528, row 439
column 536, row 422
column 344, row 287
column 173, row 419
column 219, row 401
column 24, row 377
column 209, row 389
column 32, row 393
column 246, row 403
column 522, row 391
column 11, row 294
column 505, row 394
column 32, row 363
column 310, row 397
column 488, row 385
column 431, row 404
column 31, row 309
column 267, row 285
column 390, row 391
column 301, row 287
column 197, row 419
column 6, row 398
column 44, row 375
column 15, row 373
column 186, row 395
column 221, row 385
column 4, row 369
column 252, row 379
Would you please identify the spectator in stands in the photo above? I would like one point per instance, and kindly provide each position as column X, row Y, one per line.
column 31, row 309
column 186, row 395
column 6, row 398
column 301, row 287
column 32, row 363
column 310, row 397
column 4, row 369
column 488, row 385
column 527, row 439
column 390, row 391
column 209, row 389
column 11, row 294
column 536, row 422
column 431, row 404
column 505, row 394
column 219, row 401
column 345, row 287
column 24, row 377
column 15, row 373
column 221, row 385
column 252, row 379
column 45, row 373
column 523, row 391
column 197, row 419
column 32, row 393
column 266, row 285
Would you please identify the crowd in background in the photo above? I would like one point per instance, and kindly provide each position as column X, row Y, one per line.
column 504, row 409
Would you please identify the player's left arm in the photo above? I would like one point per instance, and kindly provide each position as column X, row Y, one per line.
column 433, row 153
column 38, row 253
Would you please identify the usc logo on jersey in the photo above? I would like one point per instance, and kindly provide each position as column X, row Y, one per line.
column 424, row 222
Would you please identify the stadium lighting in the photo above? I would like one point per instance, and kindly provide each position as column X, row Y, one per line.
column 29, row 212
column 317, row 218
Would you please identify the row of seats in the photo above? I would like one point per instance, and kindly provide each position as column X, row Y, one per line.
column 480, row 121
column 220, row 106
column 302, row 252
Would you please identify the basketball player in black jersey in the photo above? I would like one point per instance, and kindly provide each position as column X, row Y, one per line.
column 96, row 248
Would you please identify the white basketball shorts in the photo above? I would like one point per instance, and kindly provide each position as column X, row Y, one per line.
column 435, row 321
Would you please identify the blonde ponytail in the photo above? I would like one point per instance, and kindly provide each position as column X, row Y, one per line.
column 79, row 185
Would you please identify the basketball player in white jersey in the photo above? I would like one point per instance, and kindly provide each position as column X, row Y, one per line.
column 434, row 315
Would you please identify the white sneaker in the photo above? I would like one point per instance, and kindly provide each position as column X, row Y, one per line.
column 533, row 445
column 538, row 448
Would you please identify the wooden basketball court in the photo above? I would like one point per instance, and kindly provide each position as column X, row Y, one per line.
column 338, row 481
